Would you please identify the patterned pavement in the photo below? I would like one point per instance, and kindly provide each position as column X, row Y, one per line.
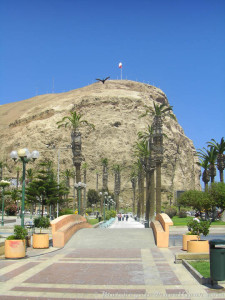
column 102, row 264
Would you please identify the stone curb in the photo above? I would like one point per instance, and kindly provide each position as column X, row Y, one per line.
column 201, row 279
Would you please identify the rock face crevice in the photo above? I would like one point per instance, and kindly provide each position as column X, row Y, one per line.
column 114, row 108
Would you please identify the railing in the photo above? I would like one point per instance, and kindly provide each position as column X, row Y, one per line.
column 107, row 223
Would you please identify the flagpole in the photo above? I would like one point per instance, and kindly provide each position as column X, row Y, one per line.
column 121, row 73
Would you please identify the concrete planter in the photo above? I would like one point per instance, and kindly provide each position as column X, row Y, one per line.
column 15, row 248
column 198, row 246
column 40, row 240
column 189, row 237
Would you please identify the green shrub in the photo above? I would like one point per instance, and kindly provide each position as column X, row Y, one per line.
column 182, row 213
column 20, row 233
column 110, row 214
column 88, row 211
column 41, row 222
column 171, row 212
column 196, row 228
column 66, row 211
column 11, row 210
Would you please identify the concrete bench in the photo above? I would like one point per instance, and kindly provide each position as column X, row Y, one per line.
column 161, row 230
column 65, row 226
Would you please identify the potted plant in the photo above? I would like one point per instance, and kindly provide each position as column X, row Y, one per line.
column 15, row 245
column 41, row 240
column 192, row 234
column 199, row 246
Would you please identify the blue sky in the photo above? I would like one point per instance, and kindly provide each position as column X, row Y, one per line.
column 176, row 45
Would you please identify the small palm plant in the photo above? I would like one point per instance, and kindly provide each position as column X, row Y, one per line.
column 41, row 222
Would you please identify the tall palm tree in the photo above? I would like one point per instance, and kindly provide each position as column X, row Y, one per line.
column 117, row 183
column 204, row 163
column 105, row 164
column 143, row 152
column 74, row 121
column 220, row 149
column 1, row 169
column 133, row 179
column 30, row 175
column 97, row 175
column 84, row 167
column 210, row 155
column 159, row 113
column 17, row 177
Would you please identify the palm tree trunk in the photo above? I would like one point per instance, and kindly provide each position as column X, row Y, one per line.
column 97, row 182
column 142, row 193
column 221, row 175
column 148, row 195
column 152, row 194
column 158, row 187
column 85, row 180
column 78, row 179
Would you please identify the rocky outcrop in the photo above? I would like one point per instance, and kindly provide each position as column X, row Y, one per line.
column 114, row 108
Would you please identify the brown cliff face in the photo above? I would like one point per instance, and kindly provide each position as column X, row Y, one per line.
column 114, row 108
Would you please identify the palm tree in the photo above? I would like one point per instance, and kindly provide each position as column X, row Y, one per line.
column 160, row 112
column 143, row 152
column 68, row 174
column 17, row 177
column 97, row 175
column 84, row 167
column 220, row 149
column 1, row 169
column 210, row 155
column 30, row 175
column 117, row 183
column 105, row 164
column 205, row 175
column 74, row 121
column 133, row 179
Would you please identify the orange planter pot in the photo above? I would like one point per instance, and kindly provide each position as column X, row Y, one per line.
column 198, row 246
column 40, row 240
column 189, row 237
column 15, row 248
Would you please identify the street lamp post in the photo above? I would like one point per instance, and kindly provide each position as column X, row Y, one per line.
column 25, row 157
column 3, row 184
column 79, row 186
column 105, row 197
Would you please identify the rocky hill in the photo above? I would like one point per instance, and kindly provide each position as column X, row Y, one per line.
column 114, row 108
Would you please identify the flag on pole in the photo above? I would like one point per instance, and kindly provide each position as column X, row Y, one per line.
column 120, row 66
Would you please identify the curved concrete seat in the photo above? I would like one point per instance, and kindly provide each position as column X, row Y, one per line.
column 160, row 229
column 65, row 226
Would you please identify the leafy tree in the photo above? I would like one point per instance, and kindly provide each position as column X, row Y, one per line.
column 92, row 197
column 217, row 193
column 44, row 188
column 198, row 200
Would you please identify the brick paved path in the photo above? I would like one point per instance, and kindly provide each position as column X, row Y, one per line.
column 102, row 264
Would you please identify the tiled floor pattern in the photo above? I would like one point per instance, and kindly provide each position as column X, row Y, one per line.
column 101, row 274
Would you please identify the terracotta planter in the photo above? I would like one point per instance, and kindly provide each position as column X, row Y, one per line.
column 15, row 248
column 189, row 237
column 40, row 240
column 198, row 246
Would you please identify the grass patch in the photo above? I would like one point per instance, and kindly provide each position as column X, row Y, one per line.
column 203, row 267
column 183, row 221
column 92, row 221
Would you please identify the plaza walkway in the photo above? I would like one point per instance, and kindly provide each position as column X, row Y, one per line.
column 121, row 262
